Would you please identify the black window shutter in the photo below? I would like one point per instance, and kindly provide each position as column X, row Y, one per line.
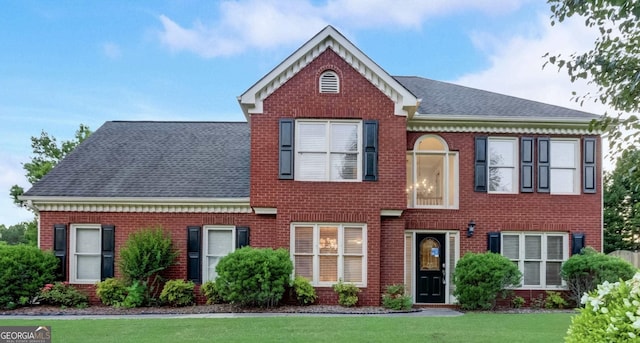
column 577, row 243
column 108, row 250
column 194, row 248
column 526, row 164
column 481, row 165
column 493, row 242
column 242, row 237
column 589, row 165
column 370, row 149
column 543, row 165
column 285, row 160
column 60, row 250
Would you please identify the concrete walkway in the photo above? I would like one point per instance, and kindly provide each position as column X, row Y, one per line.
column 439, row 312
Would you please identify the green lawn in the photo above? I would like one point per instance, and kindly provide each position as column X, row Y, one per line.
column 471, row 327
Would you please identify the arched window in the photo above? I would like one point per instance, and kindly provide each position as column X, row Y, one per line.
column 432, row 174
column 329, row 82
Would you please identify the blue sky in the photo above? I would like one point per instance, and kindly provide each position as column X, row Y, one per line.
column 64, row 63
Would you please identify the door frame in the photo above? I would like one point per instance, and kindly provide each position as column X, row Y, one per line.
column 450, row 251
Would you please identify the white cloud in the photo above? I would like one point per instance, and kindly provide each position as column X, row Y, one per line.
column 111, row 50
column 11, row 173
column 263, row 24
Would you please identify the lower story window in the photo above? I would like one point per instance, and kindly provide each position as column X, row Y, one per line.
column 217, row 243
column 85, row 253
column 539, row 256
column 325, row 253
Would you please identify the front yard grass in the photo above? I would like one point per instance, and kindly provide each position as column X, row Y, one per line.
column 471, row 327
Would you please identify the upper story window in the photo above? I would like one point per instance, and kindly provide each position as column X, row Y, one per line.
column 503, row 170
column 432, row 174
column 329, row 82
column 564, row 175
column 328, row 150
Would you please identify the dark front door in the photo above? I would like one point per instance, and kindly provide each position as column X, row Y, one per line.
column 430, row 267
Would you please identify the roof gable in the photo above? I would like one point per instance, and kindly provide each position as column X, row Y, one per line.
column 251, row 101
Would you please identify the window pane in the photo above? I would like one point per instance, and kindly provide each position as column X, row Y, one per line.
column 312, row 166
column 353, row 269
column 451, row 183
column 328, row 268
column 532, row 247
column 429, row 181
column 312, row 137
column 431, row 144
column 532, row 273
column 212, row 262
column 511, row 246
column 563, row 154
column 88, row 267
column 344, row 137
column 501, row 153
column 562, row 180
column 410, row 181
column 553, row 273
column 554, row 248
column 344, row 166
column 303, row 240
column 304, row 266
column 352, row 240
column 88, row 240
column 220, row 242
column 501, row 179
column 328, row 240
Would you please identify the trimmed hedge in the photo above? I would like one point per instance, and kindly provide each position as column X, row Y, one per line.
column 24, row 270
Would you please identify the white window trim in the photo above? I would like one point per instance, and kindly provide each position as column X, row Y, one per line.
column 327, row 150
column 73, row 263
column 456, row 183
column 577, row 170
column 205, row 245
column 516, row 158
column 316, row 251
column 521, row 254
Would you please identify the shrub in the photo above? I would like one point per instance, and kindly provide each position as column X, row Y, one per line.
column 111, row 292
column 178, row 293
column 254, row 277
column 211, row 291
column 554, row 300
column 517, row 302
column 24, row 270
column 136, row 295
column 395, row 298
column 144, row 255
column 480, row 278
column 63, row 294
column 347, row 293
column 584, row 271
column 304, row 291
column 611, row 313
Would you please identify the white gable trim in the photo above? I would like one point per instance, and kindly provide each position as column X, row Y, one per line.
column 329, row 38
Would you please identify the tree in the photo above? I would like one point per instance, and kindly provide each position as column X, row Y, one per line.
column 613, row 64
column 22, row 233
column 47, row 153
column 622, row 203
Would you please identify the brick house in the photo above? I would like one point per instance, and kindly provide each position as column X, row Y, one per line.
column 362, row 176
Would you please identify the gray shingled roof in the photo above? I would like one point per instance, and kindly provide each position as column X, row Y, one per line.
column 450, row 99
column 155, row 159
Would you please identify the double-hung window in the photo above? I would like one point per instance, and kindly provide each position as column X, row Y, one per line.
column 86, row 253
column 539, row 256
column 503, row 157
column 325, row 253
column 432, row 174
column 564, row 160
column 328, row 150
column 218, row 242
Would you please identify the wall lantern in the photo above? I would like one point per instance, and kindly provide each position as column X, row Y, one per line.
column 471, row 228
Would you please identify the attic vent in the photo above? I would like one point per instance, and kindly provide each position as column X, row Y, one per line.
column 329, row 82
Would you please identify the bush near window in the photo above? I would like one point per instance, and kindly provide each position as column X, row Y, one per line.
column 111, row 292
column 304, row 291
column 481, row 277
column 178, row 293
column 211, row 291
column 254, row 277
column 582, row 272
column 136, row 295
column 554, row 300
column 63, row 294
column 395, row 298
column 24, row 270
column 144, row 256
column 611, row 313
column 347, row 293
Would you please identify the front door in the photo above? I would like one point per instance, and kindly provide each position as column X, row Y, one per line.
column 430, row 268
